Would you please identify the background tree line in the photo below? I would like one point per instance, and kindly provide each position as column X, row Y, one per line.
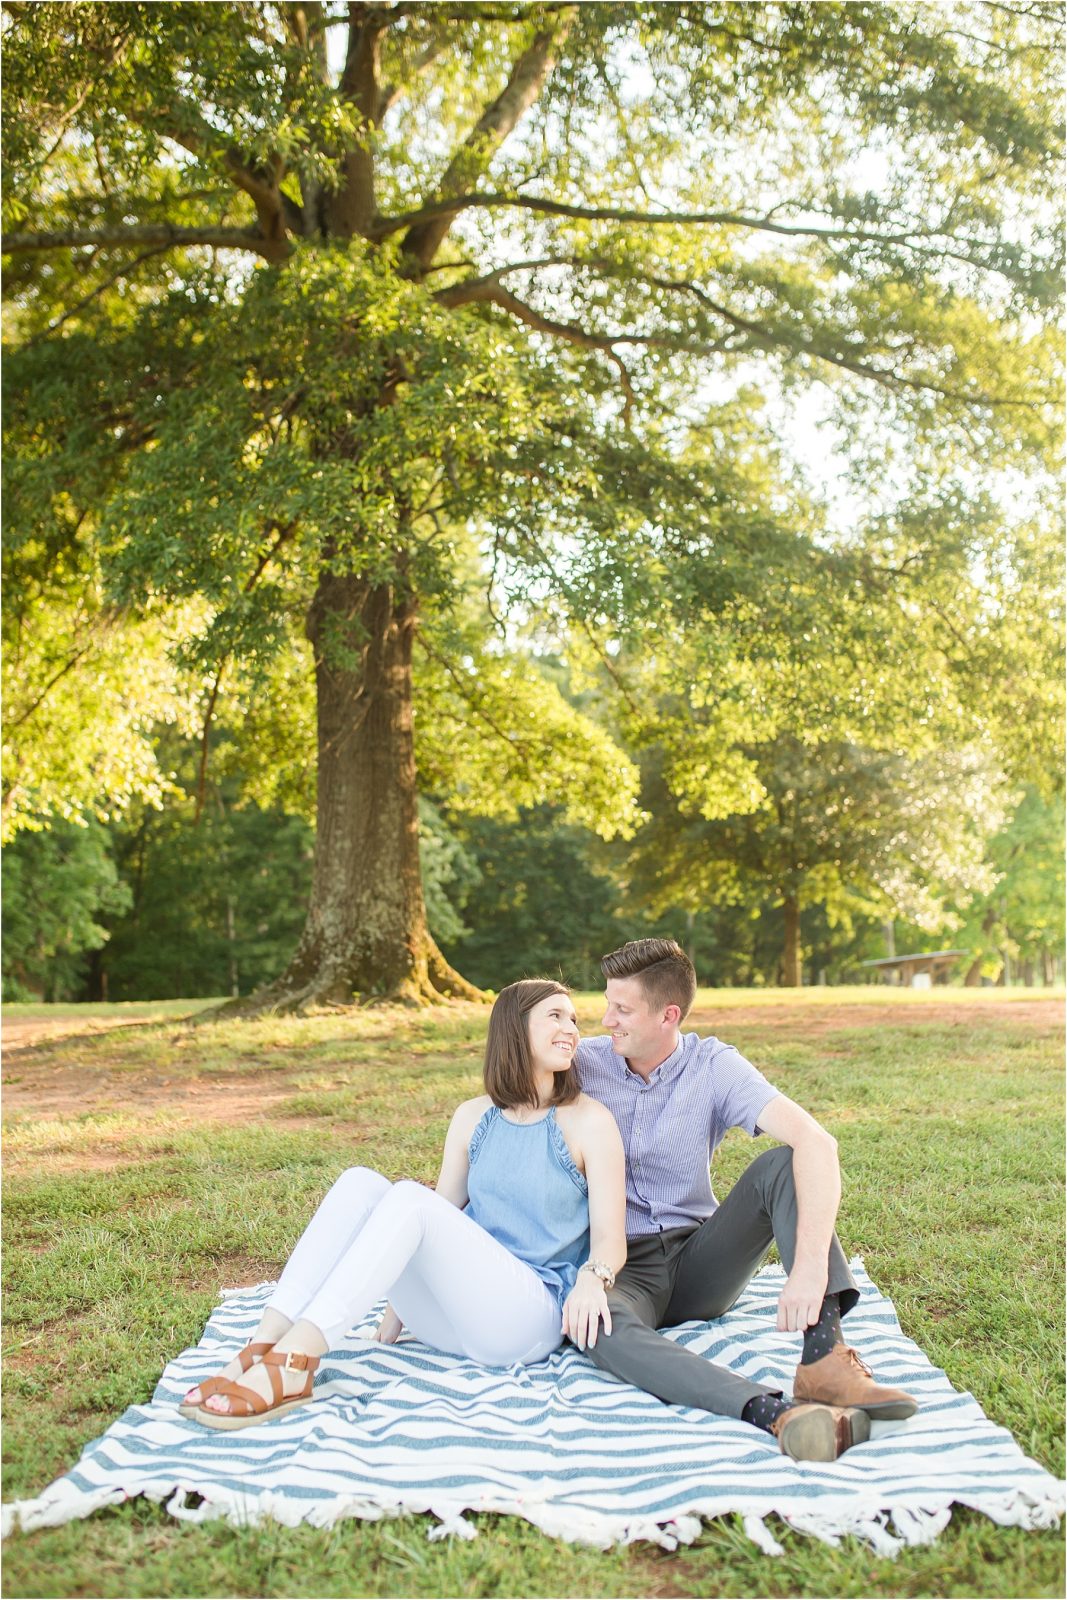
column 157, row 904
column 419, row 563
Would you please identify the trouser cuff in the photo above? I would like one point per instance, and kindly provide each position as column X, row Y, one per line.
column 845, row 1289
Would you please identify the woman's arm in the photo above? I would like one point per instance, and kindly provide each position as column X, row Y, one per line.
column 455, row 1160
column 605, row 1170
column 451, row 1183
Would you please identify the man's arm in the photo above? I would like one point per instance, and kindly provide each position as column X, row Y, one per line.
column 817, row 1176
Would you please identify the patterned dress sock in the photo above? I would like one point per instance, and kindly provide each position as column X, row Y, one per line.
column 764, row 1409
column 821, row 1337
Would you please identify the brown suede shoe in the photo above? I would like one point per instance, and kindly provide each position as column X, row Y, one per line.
column 820, row 1433
column 842, row 1379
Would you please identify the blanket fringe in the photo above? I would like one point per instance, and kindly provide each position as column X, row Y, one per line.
column 911, row 1525
column 761, row 1535
column 453, row 1526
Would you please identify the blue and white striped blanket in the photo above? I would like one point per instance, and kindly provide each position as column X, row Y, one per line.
column 580, row 1455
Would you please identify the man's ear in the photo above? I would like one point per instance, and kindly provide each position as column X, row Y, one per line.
column 672, row 1016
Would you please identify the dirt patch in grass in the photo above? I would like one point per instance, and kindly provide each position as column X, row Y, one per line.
column 232, row 1272
column 59, row 1161
column 74, row 1091
column 808, row 1022
column 656, row 1575
column 22, row 1033
column 47, row 1087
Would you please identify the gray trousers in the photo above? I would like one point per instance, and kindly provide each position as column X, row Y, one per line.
column 696, row 1274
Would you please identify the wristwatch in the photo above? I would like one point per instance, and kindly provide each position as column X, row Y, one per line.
column 599, row 1270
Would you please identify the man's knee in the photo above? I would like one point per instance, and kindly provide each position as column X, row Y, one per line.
column 627, row 1319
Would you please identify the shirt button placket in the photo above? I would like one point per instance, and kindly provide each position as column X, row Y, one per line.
column 635, row 1150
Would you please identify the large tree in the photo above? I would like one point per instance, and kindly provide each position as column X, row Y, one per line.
column 292, row 319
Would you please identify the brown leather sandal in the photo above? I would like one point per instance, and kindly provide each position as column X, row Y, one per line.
column 247, row 1357
column 256, row 1409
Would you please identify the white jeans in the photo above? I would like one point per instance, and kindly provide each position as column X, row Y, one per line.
column 450, row 1282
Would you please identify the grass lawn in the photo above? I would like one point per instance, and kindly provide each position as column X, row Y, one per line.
column 149, row 1161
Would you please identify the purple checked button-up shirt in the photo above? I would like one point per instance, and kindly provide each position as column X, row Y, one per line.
column 672, row 1124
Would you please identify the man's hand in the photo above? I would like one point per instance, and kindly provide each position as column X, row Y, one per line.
column 801, row 1300
column 584, row 1309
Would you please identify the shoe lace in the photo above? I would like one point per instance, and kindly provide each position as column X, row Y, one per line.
column 855, row 1361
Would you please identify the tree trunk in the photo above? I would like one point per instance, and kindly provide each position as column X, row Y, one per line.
column 366, row 936
column 791, row 953
column 231, row 945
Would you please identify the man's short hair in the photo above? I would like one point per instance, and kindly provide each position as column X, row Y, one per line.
column 667, row 975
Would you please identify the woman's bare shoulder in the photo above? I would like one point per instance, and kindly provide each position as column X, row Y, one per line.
column 467, row 1116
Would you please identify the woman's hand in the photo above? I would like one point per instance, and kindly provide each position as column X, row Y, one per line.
column 584, row 1309
column 390, row 1327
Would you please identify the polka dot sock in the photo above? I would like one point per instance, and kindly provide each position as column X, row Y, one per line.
column 821, row 1337
column 764, row 1409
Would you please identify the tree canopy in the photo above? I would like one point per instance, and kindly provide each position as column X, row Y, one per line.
column 358, row 339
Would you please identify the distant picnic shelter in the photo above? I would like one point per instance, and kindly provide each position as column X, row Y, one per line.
column 919, row 971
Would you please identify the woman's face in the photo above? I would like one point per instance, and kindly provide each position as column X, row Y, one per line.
column 553, row 1029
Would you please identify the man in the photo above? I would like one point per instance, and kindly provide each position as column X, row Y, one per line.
column 674, row 1096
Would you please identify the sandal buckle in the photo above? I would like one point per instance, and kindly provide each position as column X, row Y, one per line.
column 293, row 1360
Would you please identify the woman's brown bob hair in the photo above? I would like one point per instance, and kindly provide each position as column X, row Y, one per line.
column 509, row 1074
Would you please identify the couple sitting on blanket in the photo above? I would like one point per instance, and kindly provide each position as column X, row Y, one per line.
column 589, row 1215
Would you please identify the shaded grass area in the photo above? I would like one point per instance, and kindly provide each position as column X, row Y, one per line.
column 951, row 1143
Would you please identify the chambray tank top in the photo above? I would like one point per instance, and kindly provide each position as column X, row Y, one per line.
column 526, row 1191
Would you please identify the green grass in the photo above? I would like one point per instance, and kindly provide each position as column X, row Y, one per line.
column 125, row 1212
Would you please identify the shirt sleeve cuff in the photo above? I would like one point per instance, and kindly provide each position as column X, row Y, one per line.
column 756, row 1129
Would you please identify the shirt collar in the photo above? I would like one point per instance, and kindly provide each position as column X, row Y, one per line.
column 666, row 1069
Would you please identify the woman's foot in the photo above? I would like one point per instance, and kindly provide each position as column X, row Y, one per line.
column 232, row 1372
column 273, row 1325
column 294, row 1383
column 292, row 1361
column 290, row 1378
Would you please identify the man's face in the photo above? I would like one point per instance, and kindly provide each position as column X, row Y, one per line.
column 637, row 1032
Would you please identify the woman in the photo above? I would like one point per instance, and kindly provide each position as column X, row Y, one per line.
column 538, row 1167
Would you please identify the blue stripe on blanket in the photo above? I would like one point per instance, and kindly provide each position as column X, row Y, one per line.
column 404, row 1428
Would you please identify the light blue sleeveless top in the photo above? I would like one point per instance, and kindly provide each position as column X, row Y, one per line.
column 526, row 1191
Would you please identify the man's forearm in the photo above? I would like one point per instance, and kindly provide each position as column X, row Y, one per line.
column 817, row 1176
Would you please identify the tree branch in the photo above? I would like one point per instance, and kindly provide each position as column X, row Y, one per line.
column 392, row 91
column 284, row 531
column 110, row 57
column 471, row 697
column 496, row 122
column 68, row 666
column 112, row 277
column 783, row 337
column 352, row 208
column 201, row 786
column 487, row 290
column 911, row 238
column 159, row 234
column 307, row 23
column 188, row 127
